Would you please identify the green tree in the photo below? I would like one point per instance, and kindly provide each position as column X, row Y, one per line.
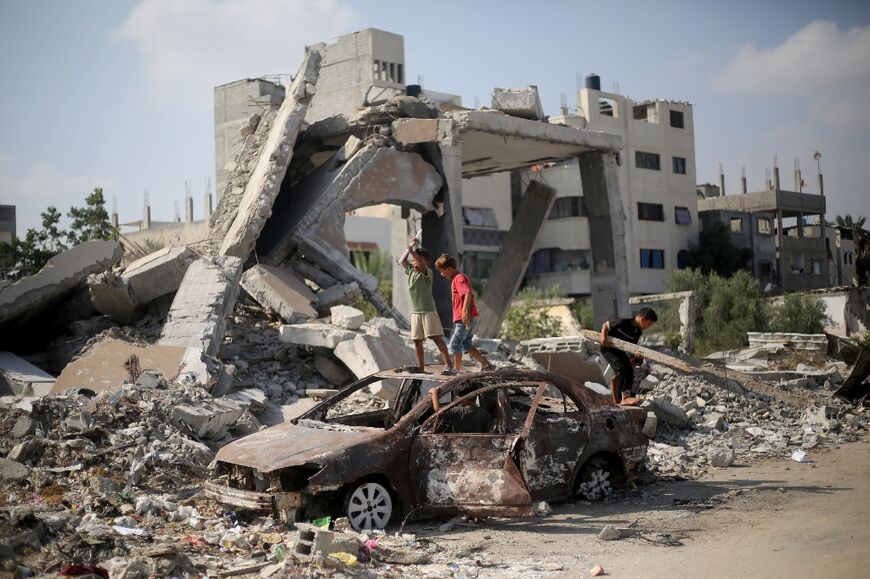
column 799, row 313
column 91, row 221
column 380, row 265
column 716, row 253
column 528, row 319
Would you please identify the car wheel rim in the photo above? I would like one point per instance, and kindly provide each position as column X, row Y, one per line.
column 370, row 507
column 597, row 486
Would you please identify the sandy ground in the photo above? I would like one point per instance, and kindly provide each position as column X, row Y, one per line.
column 773, row 518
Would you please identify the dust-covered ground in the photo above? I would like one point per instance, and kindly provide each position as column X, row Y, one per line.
column 773, row 518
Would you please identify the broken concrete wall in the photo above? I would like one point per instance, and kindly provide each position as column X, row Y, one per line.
column 686, row 313
column 255, row 206
column 63, row 273
column 280, row 291
column 516, row 252
column 206, row 296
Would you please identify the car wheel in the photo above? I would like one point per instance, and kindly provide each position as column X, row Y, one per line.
column 369, row 506
column 595, row 481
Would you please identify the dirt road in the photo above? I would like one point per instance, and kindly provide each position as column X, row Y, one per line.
column 770, row 519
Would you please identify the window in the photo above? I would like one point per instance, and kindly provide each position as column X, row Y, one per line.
column 763, row 226
column 645, row 160
column 650, row 212
column 677, row 120
column 401, row 74
column 765, row 269
column 816, row 267
column 736, row 225
column 568, row 207
column 377, row 69
column 607, row 107
column 478, row 264
column 480, row 217
column 652, row 258
column 682, row 259
column 682, row 216
column 679, row 165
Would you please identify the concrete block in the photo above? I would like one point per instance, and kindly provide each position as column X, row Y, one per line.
column 339, row 294
column 670, row 413
column 111, row 295
column 314, row 540
column 62, row 273
column 714, row 421
column 518, row 102
column 18, row 376
column 314, row 334
column 207, row 295
column 210, row 419
column 722, row 457
column 347, row 317
column 332, row 372
column 252, row 399
column 298, row 408
column 414, row 131
column 367, row 354
column 101, row 368
column 280, row 291
column 158, row 274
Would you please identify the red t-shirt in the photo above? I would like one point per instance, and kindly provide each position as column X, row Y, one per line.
column 460, row 286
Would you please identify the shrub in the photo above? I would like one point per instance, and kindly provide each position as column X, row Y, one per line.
column 527, row 320
column 863, row 340
column 799, row 313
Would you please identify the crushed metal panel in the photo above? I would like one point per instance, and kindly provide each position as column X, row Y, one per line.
column 856, row 386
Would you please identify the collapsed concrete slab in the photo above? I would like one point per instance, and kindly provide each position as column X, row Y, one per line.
column 206, row 296
column 314, row 334
column 518, row 102
column 210, row 419
column 513, row 260
column 102, row 367
column 63, row 273
column 347, row 317
column 280, row 291
column 331, row 371
column 20, row 377
column 255, row 205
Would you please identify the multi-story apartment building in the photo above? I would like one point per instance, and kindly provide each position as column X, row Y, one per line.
column 657, row 183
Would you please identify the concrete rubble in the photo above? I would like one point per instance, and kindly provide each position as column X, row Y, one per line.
column 104, row 463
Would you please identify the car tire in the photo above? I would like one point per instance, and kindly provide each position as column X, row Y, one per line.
column 595, row 480
column 369, row 506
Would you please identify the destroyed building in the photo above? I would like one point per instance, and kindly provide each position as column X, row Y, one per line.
column 153, row 361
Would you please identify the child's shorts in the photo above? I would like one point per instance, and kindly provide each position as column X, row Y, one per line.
column 461, row 337
column 426, row 325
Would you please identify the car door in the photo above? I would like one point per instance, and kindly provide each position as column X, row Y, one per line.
column 549, row 454
column 475, row 474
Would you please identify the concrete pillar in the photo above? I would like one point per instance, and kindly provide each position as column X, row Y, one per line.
column 146, row 217
column 798, row 181
column 115, row 220
column 188, row 209
column 207, row 205
column 776, row 177
column 821, row 185
column 779, row 261
column 722, row 184
column 687, row 323
column 609, row 280
column 800, row 225
column 510, row 266
column 743, row 184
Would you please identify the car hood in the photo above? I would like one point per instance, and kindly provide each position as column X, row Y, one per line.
column 289, row 444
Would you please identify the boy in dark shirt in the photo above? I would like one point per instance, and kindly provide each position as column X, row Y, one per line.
column 629, row 330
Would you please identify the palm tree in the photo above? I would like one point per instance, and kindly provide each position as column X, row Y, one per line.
column 854, row 228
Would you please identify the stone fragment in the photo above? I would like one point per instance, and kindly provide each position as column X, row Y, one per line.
column 280, row 291
column 610, row 533
column 62, row 273
column 714, row 421
column 314, row 334
column 670, row 413
column 21, row 451
column 105, row 486
column 24, row 426
column 252, row 399
column 347, row 317
column 335, row 295
column 722, row 457
column 12, row 472
column 297, row 409
column 20, row 377
column 518, row 102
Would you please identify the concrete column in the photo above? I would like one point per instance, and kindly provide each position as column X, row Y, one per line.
column 780, row 273
column 188, row 209
column 743, row 184
column 776, row 177
column 798, row 181
column 722, row 184
column 609, row 280
column 821, row 185
column 207, row 205
column 510, row 266
column 146, row 217
column 115, row 220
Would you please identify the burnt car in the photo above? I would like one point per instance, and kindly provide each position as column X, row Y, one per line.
column 548, row 439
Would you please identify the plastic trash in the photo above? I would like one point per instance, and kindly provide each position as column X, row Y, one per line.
column 346, row 558
column 800, row 456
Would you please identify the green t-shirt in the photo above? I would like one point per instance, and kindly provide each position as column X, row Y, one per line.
column 420, row 288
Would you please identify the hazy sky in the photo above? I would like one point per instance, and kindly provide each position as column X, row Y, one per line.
column 119, row 93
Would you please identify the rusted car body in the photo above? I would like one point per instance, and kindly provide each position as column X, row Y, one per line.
column 340, row 457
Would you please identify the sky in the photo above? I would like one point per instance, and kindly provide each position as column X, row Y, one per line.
column 118, row 94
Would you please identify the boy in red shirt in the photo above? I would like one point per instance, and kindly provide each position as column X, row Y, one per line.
column 464, row 313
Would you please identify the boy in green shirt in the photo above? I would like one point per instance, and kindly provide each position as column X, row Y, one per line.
column 425, row 322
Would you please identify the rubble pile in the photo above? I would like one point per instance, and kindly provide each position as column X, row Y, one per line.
column 703, row 424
